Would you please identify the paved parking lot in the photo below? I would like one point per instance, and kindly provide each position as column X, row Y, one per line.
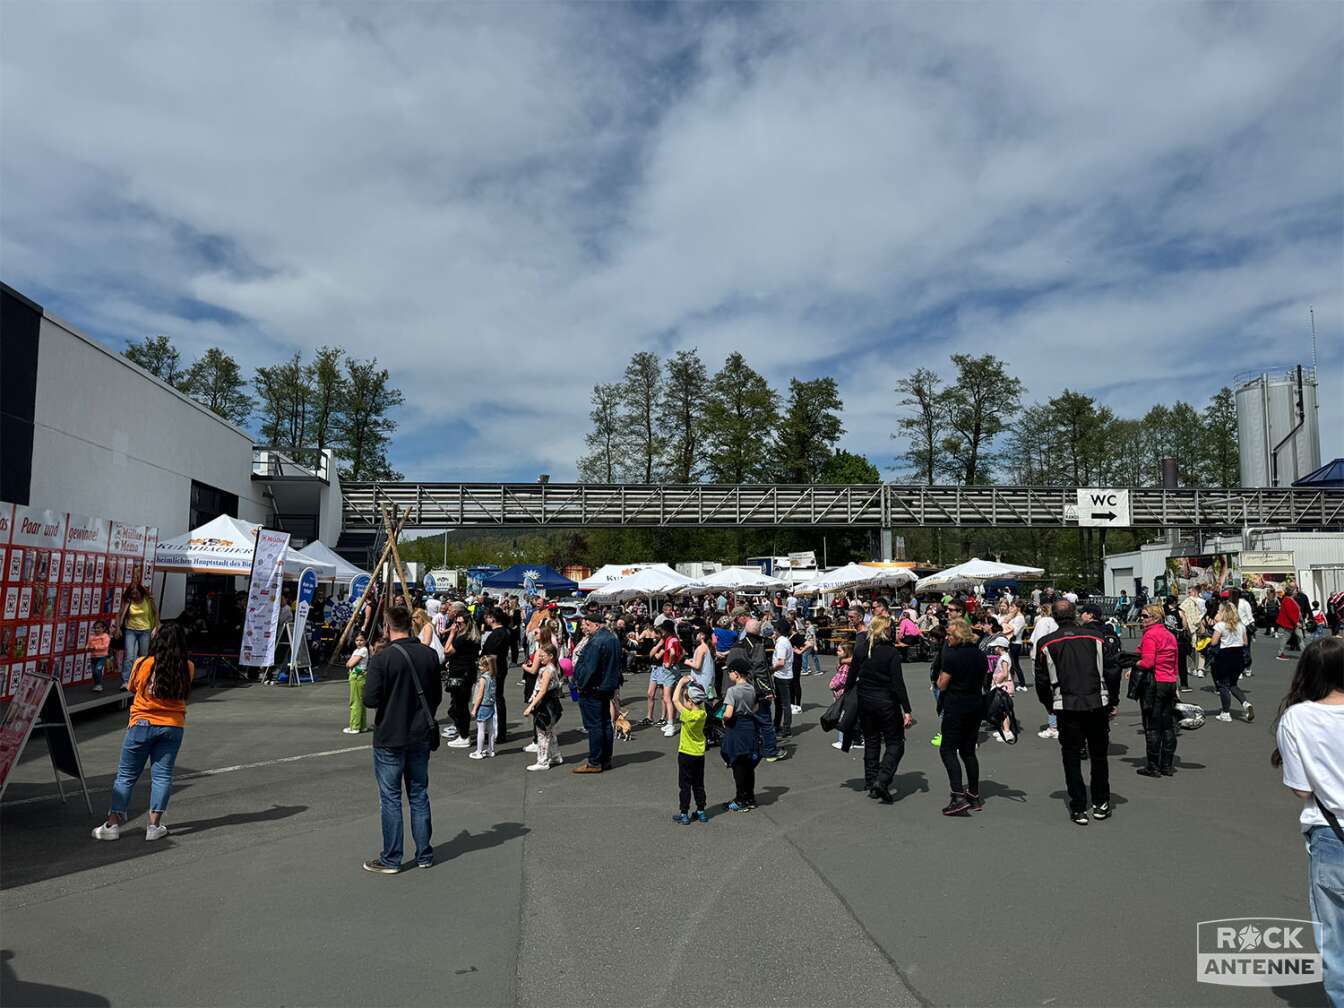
column 556, row 890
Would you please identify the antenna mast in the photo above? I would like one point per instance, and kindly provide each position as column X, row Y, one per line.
column 1311, row 310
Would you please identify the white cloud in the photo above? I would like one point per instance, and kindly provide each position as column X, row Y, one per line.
column 503, row 204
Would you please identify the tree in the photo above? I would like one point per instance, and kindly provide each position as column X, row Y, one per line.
column 846, row 467
column 605, row 461
column 681, row 413
column 741, row 408
column 978, row 403
column 327, row 387
column 158, row 356
column 284, row 393
column 1221, row 444
column 364, row 428
column 925, row 426
column 215, row 382
column 809, row 429
column 1187, row 436
column 639, row 414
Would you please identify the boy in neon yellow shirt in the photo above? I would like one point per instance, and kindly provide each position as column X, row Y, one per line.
column 689, row 699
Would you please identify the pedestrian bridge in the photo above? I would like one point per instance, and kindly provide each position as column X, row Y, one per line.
column 875, row 506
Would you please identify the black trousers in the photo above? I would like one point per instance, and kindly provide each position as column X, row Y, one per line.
column 796, row 688
column 501, row 707
column 783, row 713
column 1183, row 652
column 691, row 780
column 883, row 725
column 961, row 729
column 1093, row 729
column 1015, row 656
column 744, row 778
column 459, row 708
column 1159, row 726
column 529, row 684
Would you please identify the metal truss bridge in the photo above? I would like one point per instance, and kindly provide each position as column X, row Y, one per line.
column 857, row 506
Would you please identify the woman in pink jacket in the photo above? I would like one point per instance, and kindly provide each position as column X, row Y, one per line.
column 1157, row 656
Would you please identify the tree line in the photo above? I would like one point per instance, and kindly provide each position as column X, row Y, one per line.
column 333, row 401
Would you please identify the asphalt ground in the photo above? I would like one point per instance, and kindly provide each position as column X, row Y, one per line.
column 555, row 890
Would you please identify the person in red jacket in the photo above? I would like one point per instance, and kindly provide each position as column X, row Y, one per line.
column 1158, row 653
column 1290, row 616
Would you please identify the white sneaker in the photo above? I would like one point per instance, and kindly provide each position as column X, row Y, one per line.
column 459, row 743
column 1010, row 737
column 98, row 688
column 349, row 731
column 476, row 755
column 449, row 733
column 837, row 745
column 538, row 766
column 795, row 708
column 106, row 832
column 530, row 747
column 669, row 731
column 1048, row 733
column 1225, row 716
column 156, row 832
column 1019, row 689
column 557, row 760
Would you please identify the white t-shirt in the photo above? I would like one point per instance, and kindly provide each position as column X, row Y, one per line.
column 1231, row 638
column 1311, row 741
column 1042, row 626
column 1015, row 626
column 1246, row 614
column 784, row 652
column 362, row 653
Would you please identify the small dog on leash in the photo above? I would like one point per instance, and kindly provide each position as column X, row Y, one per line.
column 621, row 724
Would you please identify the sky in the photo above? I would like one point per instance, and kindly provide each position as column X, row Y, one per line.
column 503, row 202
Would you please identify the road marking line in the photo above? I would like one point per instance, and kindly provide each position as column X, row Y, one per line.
column 209, row 773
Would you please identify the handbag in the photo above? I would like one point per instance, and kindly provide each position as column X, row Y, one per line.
column 830, row 718
column 1139, row 680
column 436, row 733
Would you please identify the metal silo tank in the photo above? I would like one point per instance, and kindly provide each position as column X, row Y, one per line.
column 1279, row 442
column 1253, row 432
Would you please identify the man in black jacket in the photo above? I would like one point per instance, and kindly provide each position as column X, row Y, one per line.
column 402, row 731
column 753, row 646
column 597, row 676
column 497, row 641
column 1071, row 683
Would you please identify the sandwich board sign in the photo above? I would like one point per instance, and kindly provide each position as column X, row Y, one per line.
column 1101, row 507
column 39, row 704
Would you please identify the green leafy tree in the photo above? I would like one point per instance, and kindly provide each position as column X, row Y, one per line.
column 216, row 382
column 808, row 430
column 681, row 415
column 285, row 400
column 1221, row 447
column 364, row 428
column 605, row 461
column 158, row 356
column 924, row 427
column 979, row 404
column 639, row 415
column 847, row 467
column 741, row 409
column 327, row 390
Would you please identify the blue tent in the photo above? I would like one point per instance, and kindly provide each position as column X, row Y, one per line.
column 542, row 577
column 1328, row 476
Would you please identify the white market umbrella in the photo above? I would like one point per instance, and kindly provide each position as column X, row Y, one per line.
column 747, row 579
column 609, row 573
column 225, row 545
column 343, row 569
column 855, row 576
column 658, row 579
column 973, row 572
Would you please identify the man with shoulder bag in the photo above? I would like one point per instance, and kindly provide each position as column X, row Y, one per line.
column 404, row 687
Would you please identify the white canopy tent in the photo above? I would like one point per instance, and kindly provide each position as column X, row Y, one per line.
column 973, row 572
column 610, row 573
column 225, row 545
column 658, row 579
column 855, row 576
column 748, row 579
column 342, row 569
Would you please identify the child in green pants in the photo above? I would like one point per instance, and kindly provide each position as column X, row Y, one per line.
column 359, row 659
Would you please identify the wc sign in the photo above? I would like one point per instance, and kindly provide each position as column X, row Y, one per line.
column 1257, row 952
column 1099, row 507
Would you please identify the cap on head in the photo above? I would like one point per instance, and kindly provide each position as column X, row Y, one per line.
column 695, row 693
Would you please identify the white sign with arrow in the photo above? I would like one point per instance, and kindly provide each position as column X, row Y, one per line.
column 1103, row 508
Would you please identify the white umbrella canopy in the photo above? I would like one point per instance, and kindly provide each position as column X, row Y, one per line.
column 734, row 579
column 609, row 573
column 343, row 569
column 659, row 579
column 973, row 572
column 855, row 576
column 224, row 545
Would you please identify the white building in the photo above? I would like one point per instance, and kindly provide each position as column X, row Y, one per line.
column 86, row 431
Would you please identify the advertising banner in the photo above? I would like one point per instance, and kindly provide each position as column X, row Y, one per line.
column 1213, row 572
column 262, row 618
column 307, row 589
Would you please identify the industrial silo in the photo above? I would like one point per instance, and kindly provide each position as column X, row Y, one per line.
column 1277, row 428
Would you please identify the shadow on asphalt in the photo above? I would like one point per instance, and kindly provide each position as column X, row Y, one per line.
column 1301, row 994
column 993, row 789
column 1063, row 796
column 770, row 795
column 16, row 992
column 466, row 842
column 237, row 819
column 620, row 759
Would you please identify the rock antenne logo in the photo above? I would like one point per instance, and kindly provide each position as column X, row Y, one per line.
column 1248, row 938
column 1257, row 952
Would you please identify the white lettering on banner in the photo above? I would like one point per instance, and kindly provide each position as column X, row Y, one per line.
column 1257, row 952
column 262, row 617
column 1102, row 508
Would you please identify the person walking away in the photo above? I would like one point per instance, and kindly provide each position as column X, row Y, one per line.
column 752, row 645
column 1159, row 656
column 597, row 676
column 160, row 684
column 884, row 710
column 356, row 667
column 689, row 698
column 739, row 747
column 544, row 706
column 98, row 644
column 462, row 650
column 1310, row 736
column 1071, row 682
column 1014, row 628
column 1228, row 646
column 1192, row 611
column 1290, row 618
column 781, row 665
column 1045, row 624
column 960, row 684
column 402, row 686
column 496, row 643
column 137, row 622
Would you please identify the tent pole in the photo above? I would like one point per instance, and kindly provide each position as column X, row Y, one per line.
column 354, row 616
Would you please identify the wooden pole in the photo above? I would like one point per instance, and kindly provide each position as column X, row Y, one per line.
column 354, row 616
column 401, row 571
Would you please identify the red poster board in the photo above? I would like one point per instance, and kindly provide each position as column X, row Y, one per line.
column 33, row 564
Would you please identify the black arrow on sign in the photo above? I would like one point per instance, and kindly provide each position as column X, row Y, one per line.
column 1108, row 515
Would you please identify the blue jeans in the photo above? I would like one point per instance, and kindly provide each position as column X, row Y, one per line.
column 1325, row 896
column 158, row 744
column 812, row 662
column 391, row 767
column 137, row 646
column 595, row 709
column 765, row 729
column 96, row 669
